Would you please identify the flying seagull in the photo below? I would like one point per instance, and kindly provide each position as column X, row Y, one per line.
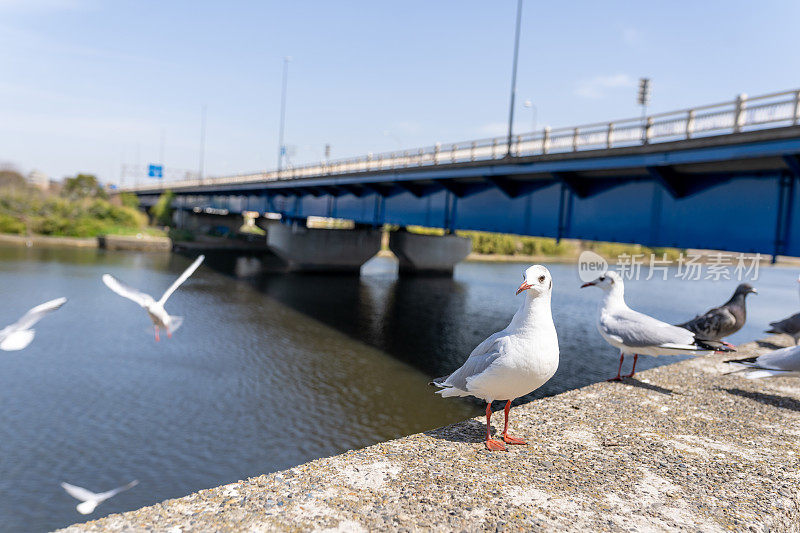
column 20, row 334
column 724, row 320
column 155, row 309
column 512, row 362
column 636, row 334
column 90, row 500
column 789, row 326
column 783, row 362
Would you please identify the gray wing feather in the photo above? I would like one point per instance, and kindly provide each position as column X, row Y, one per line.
column 475, row 365
column 713, row 324
column 789, row 325
column 637, row 330
column 783, row 359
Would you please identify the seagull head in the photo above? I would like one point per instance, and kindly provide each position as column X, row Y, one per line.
column 745, row 289
column 606, row 282
column 536, row 279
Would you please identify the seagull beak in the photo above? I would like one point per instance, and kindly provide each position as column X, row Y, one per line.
column 587, row 284
column 523, row 287
column 754, row 291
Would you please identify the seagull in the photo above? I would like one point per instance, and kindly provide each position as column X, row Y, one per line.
column 724, row 320
column 155, row 309
column 789, row 326
column 90, row 500
column 783, row 362
column 19, row 334
column 512, row 362
column 638, row 334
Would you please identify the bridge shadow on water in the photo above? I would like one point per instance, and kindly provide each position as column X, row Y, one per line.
column 433, row 323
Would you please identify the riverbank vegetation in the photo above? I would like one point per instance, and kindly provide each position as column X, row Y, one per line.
column 80, row 207
column 504, row 244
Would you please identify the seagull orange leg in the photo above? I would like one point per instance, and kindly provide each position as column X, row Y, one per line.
column 618, row 378
column 169, row 334
column 633, row 370
column 491, row 444
column 506, row 437
column 156, row 329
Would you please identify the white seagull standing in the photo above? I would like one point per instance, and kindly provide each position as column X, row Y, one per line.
column 636, row 334
column 19, row 334
column 90, row 500
column 512, row 362
column 155, row 309
column 783, row 362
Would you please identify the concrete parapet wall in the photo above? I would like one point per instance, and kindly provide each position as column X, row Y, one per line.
column 428, row 254
column 682, row 447
column 323, row 250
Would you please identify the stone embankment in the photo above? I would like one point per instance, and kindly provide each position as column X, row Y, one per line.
column 681, row 447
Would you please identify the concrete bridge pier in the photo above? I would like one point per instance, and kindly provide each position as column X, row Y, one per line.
column 323, row 250
column 428, row 254
column 205, row 222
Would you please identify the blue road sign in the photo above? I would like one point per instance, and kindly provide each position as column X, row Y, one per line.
column 155, row 171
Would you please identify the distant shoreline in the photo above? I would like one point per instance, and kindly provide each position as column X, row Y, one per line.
column 140, row 242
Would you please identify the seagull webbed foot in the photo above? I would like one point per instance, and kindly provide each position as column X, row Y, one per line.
column 508, row 439
column 495, row 446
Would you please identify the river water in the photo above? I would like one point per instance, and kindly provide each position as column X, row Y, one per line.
column 268, row 373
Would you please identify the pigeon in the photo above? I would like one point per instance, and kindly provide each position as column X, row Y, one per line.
column 90, row 500
column 155, row 309
column 783, row 362
column 789, row 326
column 512, row 362
column 724, row 320
column 20, row 334
column 636, row 334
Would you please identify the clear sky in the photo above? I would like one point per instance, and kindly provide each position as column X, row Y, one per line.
column 86, row 85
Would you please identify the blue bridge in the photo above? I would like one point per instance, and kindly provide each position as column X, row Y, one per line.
column 719, row 176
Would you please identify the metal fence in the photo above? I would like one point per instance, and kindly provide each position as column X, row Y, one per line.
column 742, row 114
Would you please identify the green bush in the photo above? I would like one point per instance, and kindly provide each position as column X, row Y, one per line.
column 10, row 224
column 162, row 210
column 128, row 199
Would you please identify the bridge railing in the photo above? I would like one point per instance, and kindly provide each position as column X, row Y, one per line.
column 742, row 114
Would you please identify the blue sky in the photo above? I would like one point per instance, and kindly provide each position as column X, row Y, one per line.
column 85, row 85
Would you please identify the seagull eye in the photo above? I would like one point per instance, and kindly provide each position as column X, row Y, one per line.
column 541, row 279
column 602, row 278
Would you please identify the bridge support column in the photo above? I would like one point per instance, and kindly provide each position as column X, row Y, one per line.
column 428, row 254
column 206, row 222
column 323, row 250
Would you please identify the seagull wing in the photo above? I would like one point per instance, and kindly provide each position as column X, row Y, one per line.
column 636, row 329
column 113, row 492
column 79, row 493
column 36, row 314
column 183, row 277
column 127, row 292
column 481, row 358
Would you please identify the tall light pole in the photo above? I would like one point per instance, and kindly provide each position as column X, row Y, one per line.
column 281, row 146
column 643, row 99
column 201, row 169
column 514, row 80
column 534, row 111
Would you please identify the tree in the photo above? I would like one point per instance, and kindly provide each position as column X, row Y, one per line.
column 162, row 210
column 83, row 186
column 128, row 199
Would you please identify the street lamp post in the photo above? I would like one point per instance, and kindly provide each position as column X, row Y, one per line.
column 281, row 146
column 513, row 81
column 643, row 99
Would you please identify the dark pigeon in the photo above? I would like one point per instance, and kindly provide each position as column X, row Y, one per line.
column 724, row 320
column 789, row 326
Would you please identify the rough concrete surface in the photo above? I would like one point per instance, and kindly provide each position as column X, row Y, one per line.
column 681, row 447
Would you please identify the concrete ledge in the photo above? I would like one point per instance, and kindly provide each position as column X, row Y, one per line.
column 683, row 447
column 46, row 240
column 143, row 243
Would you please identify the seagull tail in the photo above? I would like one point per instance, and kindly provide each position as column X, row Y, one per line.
column 717, row 346
column 174, row 323
column 439, row 382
